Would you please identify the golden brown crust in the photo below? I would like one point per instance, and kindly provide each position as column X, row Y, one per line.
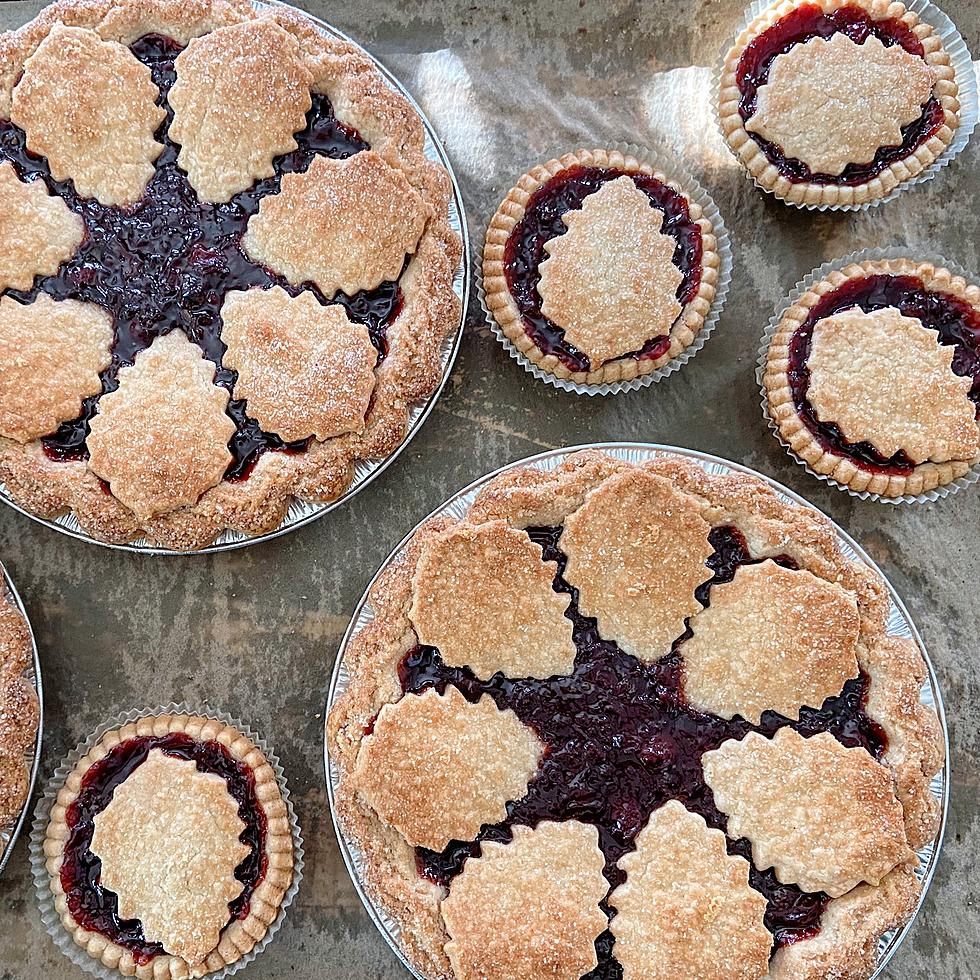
column 802, row 443
column 501, row 305
column 812, row 194
column 239, row 936
column 410, row 373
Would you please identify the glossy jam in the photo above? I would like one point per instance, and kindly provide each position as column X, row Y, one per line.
column 168, row 261
column 958, row 325
column 804, row 23
column 542, row 221
column 622, row 741
column 96, row 908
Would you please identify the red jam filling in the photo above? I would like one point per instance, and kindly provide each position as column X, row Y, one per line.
column 168, row 261
column 801, row 25
column 96, row 908
column 524, row 253
column 622, row 741
column 958, row 325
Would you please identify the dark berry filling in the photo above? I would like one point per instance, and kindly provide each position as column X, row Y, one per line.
column 542, row 221
column 168, row 261
column 801, row 25
column 622, row 741
column 958, row 325
column 96, row 908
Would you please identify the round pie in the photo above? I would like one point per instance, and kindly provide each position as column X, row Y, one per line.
column 872, row 376
column 581, row 723
column 598, row 269
column 837, row 102
column 169, row 848
column 228, row 271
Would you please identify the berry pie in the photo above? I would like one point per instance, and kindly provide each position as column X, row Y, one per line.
column 169, row 848
column 228, row 271
column 582, row 720
column 837, row 102
column 599, row 269
column 872, row 377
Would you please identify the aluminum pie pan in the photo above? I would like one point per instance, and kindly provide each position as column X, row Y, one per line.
column 303, row 512
column 899, row 624
column 9, row 836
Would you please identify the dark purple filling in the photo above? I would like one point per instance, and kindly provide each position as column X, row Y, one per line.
column 809, row 21
column 958, row 325
column 565, row 192
column 96, row 908
column 622, row 741
column 168, row 261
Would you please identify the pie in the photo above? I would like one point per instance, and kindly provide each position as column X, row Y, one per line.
column 836, row 103
column 19, row 713
column 228, row 272
column 169, row 848
column 635, row 810
column 598, row 269
column 872, row 376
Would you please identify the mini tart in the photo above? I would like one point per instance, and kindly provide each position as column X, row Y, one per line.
column 897, row 423
column 628, row 741
column 548, row 247
column 163, row 793
column 799, row 72
column 243, row 168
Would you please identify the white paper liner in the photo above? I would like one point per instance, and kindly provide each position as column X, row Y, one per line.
column 894, row 252
column 45, row 898
column 966, row 80
column 8, row 835
column 667, row 164
column 302, row 512
column 899, row 624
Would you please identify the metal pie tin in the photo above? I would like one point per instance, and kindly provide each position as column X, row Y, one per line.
column 899, row 624
column 301, row 512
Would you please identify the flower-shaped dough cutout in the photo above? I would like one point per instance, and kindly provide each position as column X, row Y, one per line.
column 636, row 552
column 169, row 845
column 823, row 816
column 444, row 786
column 90, row 107
column 610, row 281
column 686, row 908
column 343, row 225
column 241, row 93
column 37, row 230
column 530, row 908
column 161, row 438
column 772, row 639
column 884, row 378
column 304, row 369
column 51, row 353
column 830, row 101
column 483, row 596
column 19, row 712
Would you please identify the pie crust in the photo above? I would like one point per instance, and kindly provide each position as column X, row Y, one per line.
column 803, row 79
column 382, row 657
column 586, row 301
column 878, row 397
column 218, row 81
column 146, row 807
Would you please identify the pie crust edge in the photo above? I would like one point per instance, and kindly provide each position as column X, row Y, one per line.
column 779, row 397
column 758, row 166
column 239, row 936
column 528, row 497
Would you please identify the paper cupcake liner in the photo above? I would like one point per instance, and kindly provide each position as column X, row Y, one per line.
column 32, row 757
column 45, row 899
column 673, row 170
column 900, row 624
column 895, row 252
column 966, row 80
